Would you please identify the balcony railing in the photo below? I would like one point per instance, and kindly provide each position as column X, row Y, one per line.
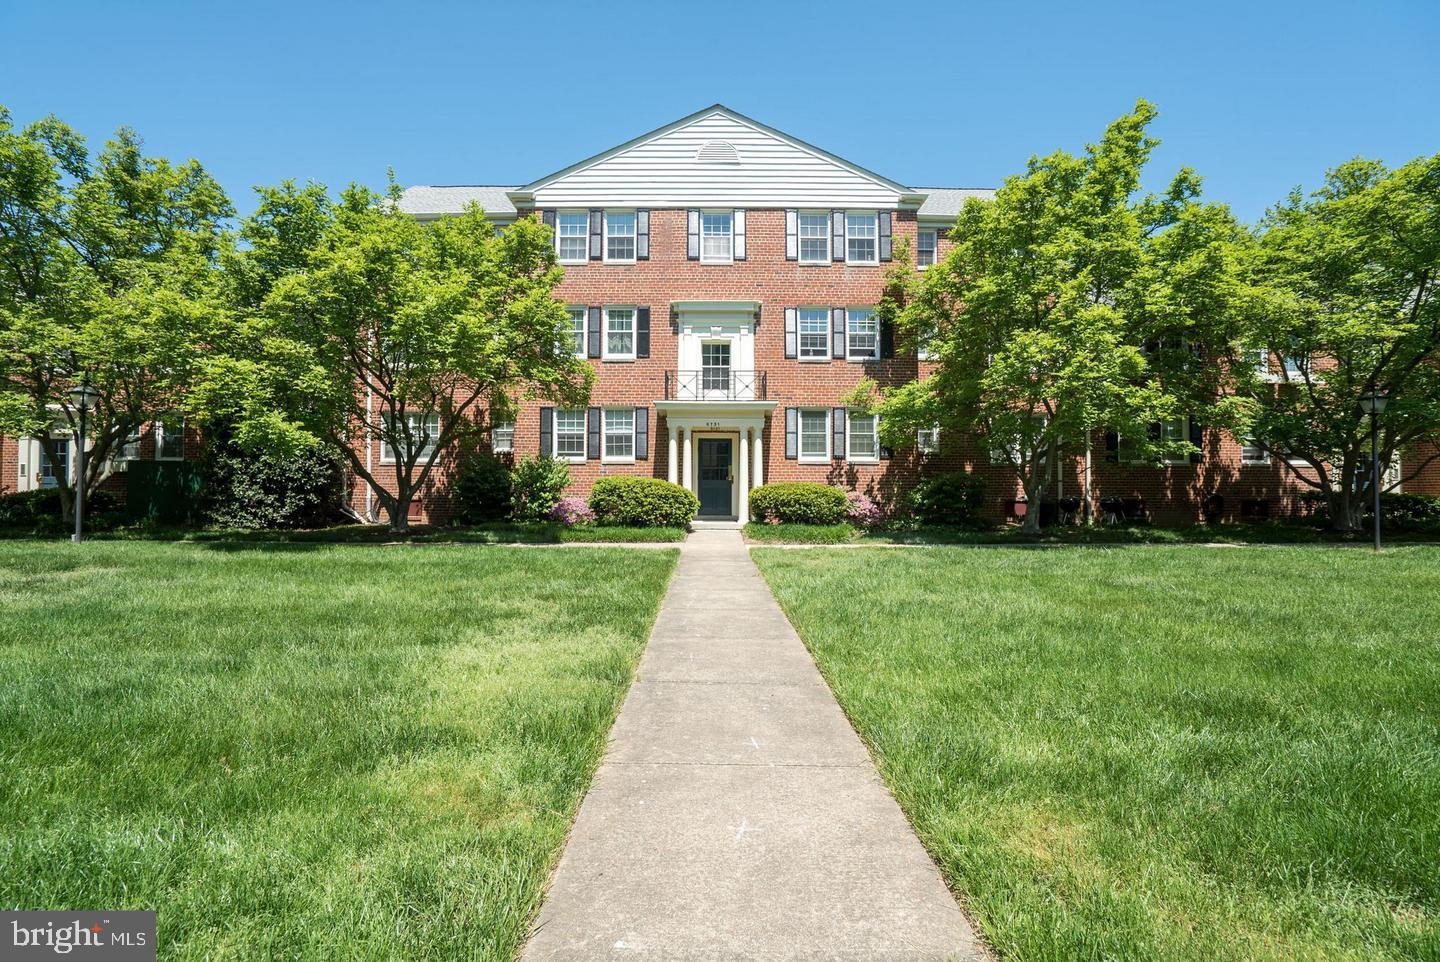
column 715, row 384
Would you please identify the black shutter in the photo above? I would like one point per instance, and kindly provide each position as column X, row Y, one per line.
column 1112, row 447
column 594, row 332
column 1197, row 438
column 887, row 337
column 548, row 218
column 792, row 431
column 837, row 332
column 642, row 433
column 592, row 436
column 597, row 234
column 885, row 239
column 642, row 235
column 547, row 432
column 692, row 235
column 792, row 235
column 791, row 333
column 737, row 226
column 642, row 332
column 837, row 427
column 837, row 230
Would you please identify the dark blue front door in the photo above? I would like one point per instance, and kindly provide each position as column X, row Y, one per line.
column 715, row 476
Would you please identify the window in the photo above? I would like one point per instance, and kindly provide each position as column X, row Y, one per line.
column 577, row 330
column 715, row 366
column 863, row 334
column 619, row 235
column 1251, row 452
column 424, row 430
column 814, row 238
column 502, row 437
column 1297, row 365
column 927, row 440
column 129, row 449
column 925, row 248
column 620, row 333
column 860, row 438
column 570, row 435
column 619, row 434
column 1261, row 358
column 572, row 236
column 814, row 331
column 814, row 435
column 715, row 237
column 861, row 233
column 1176, row 429
column 170, row 438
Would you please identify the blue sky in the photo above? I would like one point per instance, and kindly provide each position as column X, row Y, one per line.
column 1257, row 96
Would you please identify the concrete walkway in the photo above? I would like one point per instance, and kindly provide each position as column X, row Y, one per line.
column 737, row 815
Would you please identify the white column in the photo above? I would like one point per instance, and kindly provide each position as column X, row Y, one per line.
column 759, row 472
column 686, row 439
column 672, row 468
column 744, row 513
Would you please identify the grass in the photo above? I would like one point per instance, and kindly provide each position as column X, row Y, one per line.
column 1275, row 532
column 307, row 751
column 1169, row 753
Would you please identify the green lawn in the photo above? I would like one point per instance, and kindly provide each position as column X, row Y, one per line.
column 1152, row 753
column 1274, row 532
column 307, row 752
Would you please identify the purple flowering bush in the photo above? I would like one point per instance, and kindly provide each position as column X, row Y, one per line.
column 862, row 510
column 571, row 512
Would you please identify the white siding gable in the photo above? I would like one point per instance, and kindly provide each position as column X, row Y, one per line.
column 670, row 169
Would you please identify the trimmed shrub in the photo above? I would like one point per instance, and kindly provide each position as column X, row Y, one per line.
column 482, row 489
column 642, row 502
column 39, row 510
column 571, row 512
column 863, row 511
column 260, row 489
column 948, row 499
column 1408, row 512
column 536, row 486
column 799, row 502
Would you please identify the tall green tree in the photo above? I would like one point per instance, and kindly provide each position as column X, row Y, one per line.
column 1056, row 311
column 361, row 324
column 106, row 274
column 1345, row 303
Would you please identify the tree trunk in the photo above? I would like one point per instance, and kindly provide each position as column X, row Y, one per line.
column 1347, row 499
column 399, row 509
column 1033, row 496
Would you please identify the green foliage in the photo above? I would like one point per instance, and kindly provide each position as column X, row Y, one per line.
column 799, row 502
column 642, row 502
column 39, row 510
column 265, row 489
column 1410, row 512
column 536, row 486
column 954, row 498
column 482, row 488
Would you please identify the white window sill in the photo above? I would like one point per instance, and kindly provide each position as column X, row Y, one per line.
column 620, row 262
column 862, row 263
column 825, row 263
column 169, row 459
column 570, row 458
column 618, row 357
column 866, row 460
column 629, row 460
column 717, row 263
column 815, row 360
column 575, row 263
column 863, row 360
column 1255, row 464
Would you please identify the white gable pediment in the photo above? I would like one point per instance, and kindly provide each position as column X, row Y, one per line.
column 719, row 158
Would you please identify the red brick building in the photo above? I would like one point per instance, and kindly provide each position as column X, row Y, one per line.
column 722, row 278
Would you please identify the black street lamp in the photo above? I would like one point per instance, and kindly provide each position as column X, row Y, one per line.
column 1373, row 404
column 83, row 398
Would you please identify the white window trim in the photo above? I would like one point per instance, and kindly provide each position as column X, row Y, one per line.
column 875, row 353
column 729, row 215
column 850, row 454
column 634, row 236
column 874, row 238
column 606, row 433
column 160, row 440
column 1169, row 460
column 800, row 454
column 930, row 445
column 799, row 238
column 423, row 456
column 824, row 357
column 605, row 352
column 502, row 428
column 579, row 351
column 1264, row 455
column 934, row 247
column 555, row 436
column 586, row 236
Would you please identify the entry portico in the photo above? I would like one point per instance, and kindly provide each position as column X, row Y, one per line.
column 739, row 423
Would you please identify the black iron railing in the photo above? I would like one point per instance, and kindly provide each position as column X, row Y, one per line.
column 715, row 384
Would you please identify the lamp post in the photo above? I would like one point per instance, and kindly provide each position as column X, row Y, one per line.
column 83, row 398
column 1373, row 403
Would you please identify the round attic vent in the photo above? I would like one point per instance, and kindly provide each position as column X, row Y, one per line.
column 717, row 152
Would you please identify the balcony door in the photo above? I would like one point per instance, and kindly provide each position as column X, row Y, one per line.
column 716, row 376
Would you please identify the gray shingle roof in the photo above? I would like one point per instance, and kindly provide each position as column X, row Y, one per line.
column 452, row 200
column 947, row 201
